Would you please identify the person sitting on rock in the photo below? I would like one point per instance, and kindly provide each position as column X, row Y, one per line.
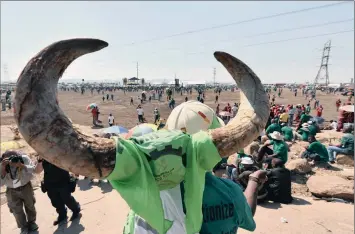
column 280, row 149
column 316, row 151
column 278, row 185
column 302, row 133
column 287, row 132
column 272, row 128
column 345, row 147
column 304, row 119
column 244, row 166
column 313, row 128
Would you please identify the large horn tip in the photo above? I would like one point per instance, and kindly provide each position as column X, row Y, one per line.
column 219, row 55
column 91, row 44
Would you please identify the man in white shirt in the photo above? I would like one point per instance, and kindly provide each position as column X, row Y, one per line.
column 235, row 109
column 140, row 113
column 16, row 173
column 291, row 114
column 333, row 124
column 111, row 120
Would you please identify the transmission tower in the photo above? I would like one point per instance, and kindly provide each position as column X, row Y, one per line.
column 214, row 76
column 323, row 69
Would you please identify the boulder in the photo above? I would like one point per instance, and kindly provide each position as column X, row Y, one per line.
column 347, row 174
column 343, row 159
column 331, row 186
column 300, row 166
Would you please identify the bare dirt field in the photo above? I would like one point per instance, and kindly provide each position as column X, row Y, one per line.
column 74, row 105
column 104, row 211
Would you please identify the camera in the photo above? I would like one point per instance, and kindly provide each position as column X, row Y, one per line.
column 16, row 159
column 13, row 159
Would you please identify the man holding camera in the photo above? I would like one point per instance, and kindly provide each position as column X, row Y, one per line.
column 16, row 173
column 59, row 186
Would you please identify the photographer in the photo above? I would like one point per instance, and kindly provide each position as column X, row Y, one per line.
column 59, row 185
column 16, row 173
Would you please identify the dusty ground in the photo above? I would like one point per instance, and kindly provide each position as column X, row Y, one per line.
column 99, row 202
column 104, row 211
column 74, row 105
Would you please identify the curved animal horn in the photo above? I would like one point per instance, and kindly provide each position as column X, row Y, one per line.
column 43, row 124
column 253, row 112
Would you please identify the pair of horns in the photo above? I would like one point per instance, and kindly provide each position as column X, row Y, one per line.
column 47, row 130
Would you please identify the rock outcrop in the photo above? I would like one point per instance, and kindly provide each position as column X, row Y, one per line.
column 331, row 186
column 343, row 159
column 300, row 166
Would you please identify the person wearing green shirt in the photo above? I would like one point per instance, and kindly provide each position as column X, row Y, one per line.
column 224, row 206
column 308, row 109
column 316, row 151
column 241, row 154
column 273, row 127
column 304, row 133
column 287, row 132
column 280, row 149
column 313, row 127
column 304, row 119
column 345, row 147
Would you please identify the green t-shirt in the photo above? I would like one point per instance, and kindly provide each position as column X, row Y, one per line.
column 312, row 130
column 241, row 155
column 272, row 128
column 308, row 110
column 305, row 118
column 153, row 162
column 319, row 148
column 287, row 132
column 280, row 148
column 224, row 207
column 347, row 141
column 304, row 135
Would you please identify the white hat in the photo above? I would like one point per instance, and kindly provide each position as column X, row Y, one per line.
column 305, row 125
column 247, row 161
column 276, row 136
column 192, row 116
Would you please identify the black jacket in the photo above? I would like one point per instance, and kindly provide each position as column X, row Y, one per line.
column 54, row 176
column 278, row 185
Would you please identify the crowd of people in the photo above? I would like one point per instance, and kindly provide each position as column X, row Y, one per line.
column 236, row 184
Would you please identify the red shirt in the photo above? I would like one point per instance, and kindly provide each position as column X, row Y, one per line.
column 319, row 111
column 94, row 112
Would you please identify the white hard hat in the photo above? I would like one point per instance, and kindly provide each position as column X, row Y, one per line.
column 192, row 117
column 247, row 161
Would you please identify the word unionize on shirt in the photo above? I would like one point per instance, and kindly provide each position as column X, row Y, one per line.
column 217, row 212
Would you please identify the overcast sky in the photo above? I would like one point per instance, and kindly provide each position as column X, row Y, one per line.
column 27, row 27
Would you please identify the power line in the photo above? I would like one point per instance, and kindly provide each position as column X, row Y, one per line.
column 299, row 38
column 285, row 40
column 303, row 27
column 239, row 22
column 284, row 30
